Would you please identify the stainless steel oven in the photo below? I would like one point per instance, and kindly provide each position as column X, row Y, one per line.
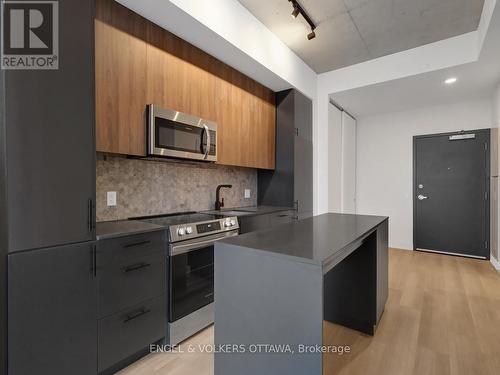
column 192, row 275
column 176, row 134
column 190, row 263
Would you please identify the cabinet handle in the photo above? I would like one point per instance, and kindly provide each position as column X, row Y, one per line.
column 135, row 267
column 93, row 261
column 90, row 222
column 130, row 317
column 136, row 244
column 283, row 215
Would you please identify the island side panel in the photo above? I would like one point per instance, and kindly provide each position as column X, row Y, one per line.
column 350, row 289
column 382, row 267
column 263, row 299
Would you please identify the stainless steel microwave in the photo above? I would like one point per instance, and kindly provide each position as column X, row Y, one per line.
column 179, row 135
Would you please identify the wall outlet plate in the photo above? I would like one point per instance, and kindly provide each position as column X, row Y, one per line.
column 111, row 198
column 247, row 193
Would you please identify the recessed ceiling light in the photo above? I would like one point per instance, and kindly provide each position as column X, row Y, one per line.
column 450, row 81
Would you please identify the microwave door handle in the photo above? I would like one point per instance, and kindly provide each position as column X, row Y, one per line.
column 209, row 143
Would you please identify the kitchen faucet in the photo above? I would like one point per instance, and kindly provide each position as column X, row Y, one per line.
column 218, row 202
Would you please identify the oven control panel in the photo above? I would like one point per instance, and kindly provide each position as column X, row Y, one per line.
column 182, row 232
column 208, row 227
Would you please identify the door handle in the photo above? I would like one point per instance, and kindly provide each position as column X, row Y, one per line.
column 422, row 197
column 209, row 142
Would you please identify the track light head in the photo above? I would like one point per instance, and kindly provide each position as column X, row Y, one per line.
column 297, row 9
column 311, row 35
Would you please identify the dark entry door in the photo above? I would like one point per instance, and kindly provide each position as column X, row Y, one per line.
column 451, row 193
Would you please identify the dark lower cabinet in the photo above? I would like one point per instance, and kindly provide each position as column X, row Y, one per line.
column 52, row 311
column 131, row 270
column 132, row 312
column 130, row 331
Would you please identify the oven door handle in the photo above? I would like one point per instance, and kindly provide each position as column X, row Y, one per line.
column 209, row 141
column 181, row 249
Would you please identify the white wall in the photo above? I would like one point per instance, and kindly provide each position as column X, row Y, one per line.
column 385, row 157
column 496, row 107
column 445, row 53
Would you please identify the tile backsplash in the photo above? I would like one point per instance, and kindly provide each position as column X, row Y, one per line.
column 147, row 187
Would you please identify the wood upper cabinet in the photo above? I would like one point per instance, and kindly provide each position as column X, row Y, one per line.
column 139, row 63
column 120, row 53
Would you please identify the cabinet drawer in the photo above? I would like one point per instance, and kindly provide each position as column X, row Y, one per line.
column 130, row 269
column 125, row 333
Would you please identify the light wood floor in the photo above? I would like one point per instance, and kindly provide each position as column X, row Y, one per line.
column 442, row 317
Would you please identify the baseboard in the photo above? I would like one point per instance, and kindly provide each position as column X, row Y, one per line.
column 495, row 263
column 400, row 248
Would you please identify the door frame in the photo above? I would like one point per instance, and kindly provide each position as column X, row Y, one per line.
column 488, row 187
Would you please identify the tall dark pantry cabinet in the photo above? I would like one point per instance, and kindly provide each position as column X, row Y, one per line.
column 47, row 198
column 291, row 183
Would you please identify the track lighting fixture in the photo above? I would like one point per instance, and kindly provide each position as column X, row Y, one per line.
column 297, row 9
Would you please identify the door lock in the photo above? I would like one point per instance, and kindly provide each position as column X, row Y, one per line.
column 422, row 197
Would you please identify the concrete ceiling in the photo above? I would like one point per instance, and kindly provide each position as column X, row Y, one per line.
column 353, row 31
column 476, row 80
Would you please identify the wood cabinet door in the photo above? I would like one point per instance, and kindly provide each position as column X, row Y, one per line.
column 247, row 117
column 120, row 68
column 179, row 76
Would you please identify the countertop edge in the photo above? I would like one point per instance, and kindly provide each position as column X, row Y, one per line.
column 125, row 233
column 344, row 252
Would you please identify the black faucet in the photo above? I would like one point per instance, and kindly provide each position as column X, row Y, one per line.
column 218, row 202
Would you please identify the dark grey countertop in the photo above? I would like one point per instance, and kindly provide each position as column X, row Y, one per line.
column 314, row 240
column 120, row 228
column 250, row 211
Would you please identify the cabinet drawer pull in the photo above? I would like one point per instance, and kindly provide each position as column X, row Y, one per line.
column 137, row 244
column 283, row 215
column 135, row 267
column 130, row 317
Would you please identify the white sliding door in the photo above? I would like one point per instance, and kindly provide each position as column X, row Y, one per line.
column 341, row 161
column 348, row 164
column 334, row 159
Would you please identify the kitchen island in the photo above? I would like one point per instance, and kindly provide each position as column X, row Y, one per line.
column 274, row 288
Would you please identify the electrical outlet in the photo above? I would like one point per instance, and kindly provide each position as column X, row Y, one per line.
column 111, row 198
column 247, row 193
